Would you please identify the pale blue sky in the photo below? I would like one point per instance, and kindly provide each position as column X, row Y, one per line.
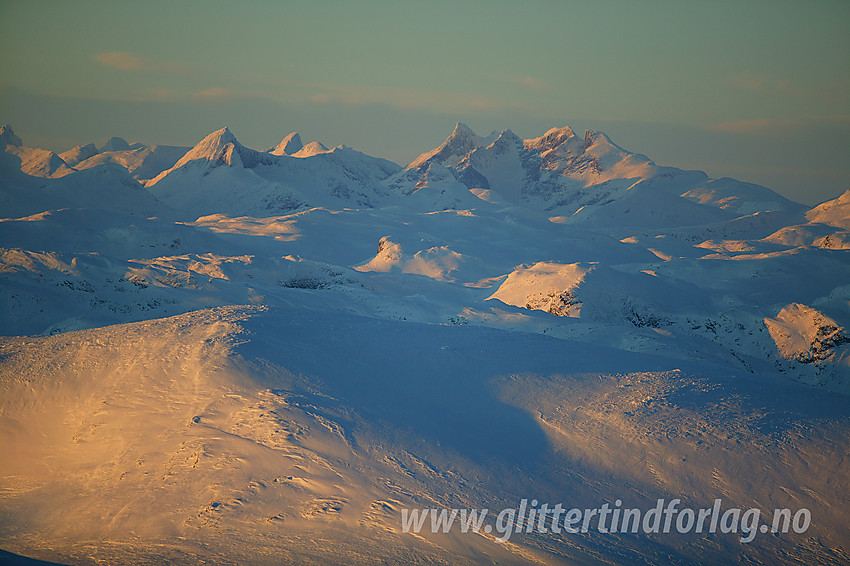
column 757, row 90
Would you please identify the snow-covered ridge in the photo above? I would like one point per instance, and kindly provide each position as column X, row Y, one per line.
column 8, row 137
column 804, row 335
column 567, row 174
column 115, row 143
column 584, row 179
column 263, row 348
column 279, row 181
column 219, row 148
column 461, row 141
column 835, row 212
column 78, row 154
column 32, row 160
column 141, row 161
column 545, row 286
column 289, row 145
column 606, row 237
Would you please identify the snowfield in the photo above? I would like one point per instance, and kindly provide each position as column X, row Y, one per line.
column 224, row 355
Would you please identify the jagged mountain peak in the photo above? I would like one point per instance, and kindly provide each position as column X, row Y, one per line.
column 462, row 129
column 78, row 154
column 88, row 148
column 507, row 136
column 212, row 145
column 600, row 147
column 312, row 148
column 32, row 160
column 551, row 139
column 464, row 135
column 224, row 135
column 595, row 136
column 559, row 131
column 8, row 137
column 460, row 142
column 115, row 144
column 506, row 142
column 220, row 148
column 289, row 145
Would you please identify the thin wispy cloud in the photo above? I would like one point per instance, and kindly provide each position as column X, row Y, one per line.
column 785, row 86
column 746, row 81
column 407, row 99
column 124, row 61
column 216, row 93
column 761, row 126
column 530, row 83
column 436, row 101
column 120, row 60
column 792, row 88
column 753, row 127
column 212, row 94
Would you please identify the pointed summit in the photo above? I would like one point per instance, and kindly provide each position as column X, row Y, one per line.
column 551, row 139
column 461, row 141
column 78, row 154
column 8, row 137
column 463, row 136
column 462, row 129
column 220, row 148
column 312, row 148
column 115, row 144
column 290, row 144
column 595, row 136
column 507, row 137
column 217, row 147
column 599, row 147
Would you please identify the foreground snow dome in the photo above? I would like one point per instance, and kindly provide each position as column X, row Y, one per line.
column 511, row 351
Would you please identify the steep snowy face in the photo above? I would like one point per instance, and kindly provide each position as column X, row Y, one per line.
column 585, row 179
column 505, row 159
column 807, row 336
column 8, row 137
column 555, row 170
column 33, row 161
column 219, row 148
column 555, row 147
column 559, row 150
column 115, row 144
column 545, row 286
column 78, row 154
column 554, row 138
column 220, row 173
column 39, row 162
column 835, row 212
column 464, row 153
column 461, row 141
column 502, row 166
column 289, row 145
column 312, row 148
column 590, row 159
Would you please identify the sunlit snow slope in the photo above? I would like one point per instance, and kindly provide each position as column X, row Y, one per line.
column 223, row 355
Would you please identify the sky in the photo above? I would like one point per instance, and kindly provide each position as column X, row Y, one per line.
column 755, row 90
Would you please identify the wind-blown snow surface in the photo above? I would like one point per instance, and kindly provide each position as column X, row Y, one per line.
column 263, row 357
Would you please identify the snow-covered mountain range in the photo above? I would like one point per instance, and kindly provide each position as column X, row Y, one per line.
column 305, row 340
